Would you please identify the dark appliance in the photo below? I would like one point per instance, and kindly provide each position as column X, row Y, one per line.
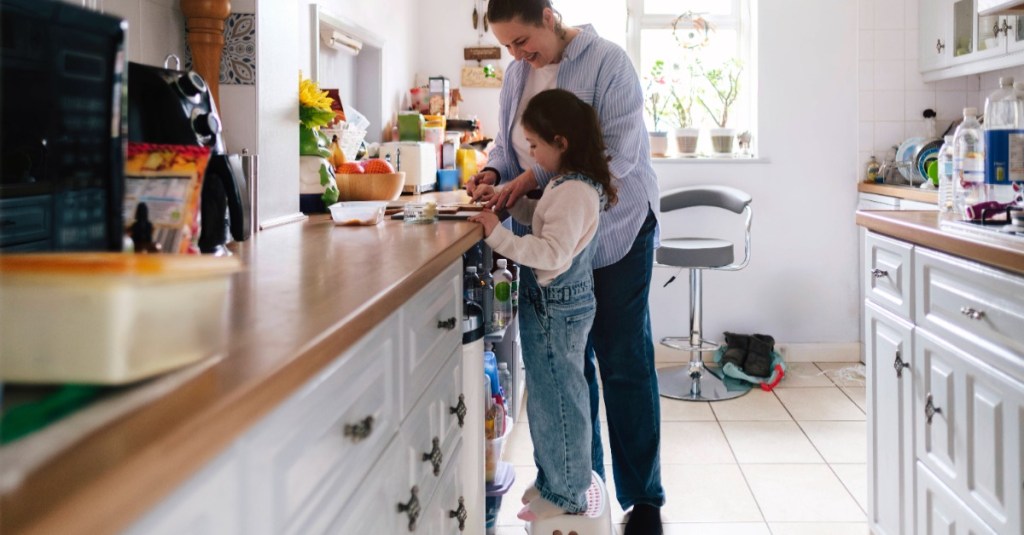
column 176, row 107
column 62, row 134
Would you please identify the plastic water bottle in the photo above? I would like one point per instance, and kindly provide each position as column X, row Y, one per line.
column 505, row 380
column 471, row 284
column 1004, row 142
column 968, row 164
column 491, row 370
column 502, row 294
column 945, row 164
column 487, row 291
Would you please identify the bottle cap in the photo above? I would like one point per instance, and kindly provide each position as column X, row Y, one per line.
column 502, row 262
column 471, row 269
column 502, row 365
column 973, row 112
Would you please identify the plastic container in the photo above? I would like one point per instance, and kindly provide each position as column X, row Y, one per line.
column 1004, row 142
column 968, row 164
column 505, row 380
column 420, row 212
column 109, row 318
column 945, row 171
column 447, row 179
column 495, row 446
column 502, row 294
column 358, row 213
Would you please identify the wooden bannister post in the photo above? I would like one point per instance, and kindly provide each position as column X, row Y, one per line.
column 206, row 38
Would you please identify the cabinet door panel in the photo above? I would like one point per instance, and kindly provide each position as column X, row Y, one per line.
column 939, row 512
column 936, row 394
column 887, row 349
column 432, row 320
column 887, row 276
column 934, row 44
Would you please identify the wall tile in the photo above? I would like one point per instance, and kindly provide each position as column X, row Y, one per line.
column 889, row 14
column 866, row 76
column 950, row 105
column 889, row 106
column 889, row 74
column 910, row 44
column 917, row 102
column 866, row 45
column 866, row 14
column 866, row 134
column 866, row 105
column 912, row 78
column 911, row 20
column 952, row 84
column 887, row 134
column 889, row 44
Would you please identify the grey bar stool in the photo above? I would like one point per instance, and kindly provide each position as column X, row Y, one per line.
column 695, row 381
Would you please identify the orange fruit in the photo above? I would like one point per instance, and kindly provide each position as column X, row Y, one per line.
column 351, row 168
column 378, row 166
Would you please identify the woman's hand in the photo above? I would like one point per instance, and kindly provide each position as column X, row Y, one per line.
column 484, row 193
column 486, row 218
column 485, row 177
column 511, row 193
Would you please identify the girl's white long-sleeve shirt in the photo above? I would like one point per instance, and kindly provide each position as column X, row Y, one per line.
column 564, row 220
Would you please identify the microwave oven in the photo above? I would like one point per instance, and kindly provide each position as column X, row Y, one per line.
column 62, row 138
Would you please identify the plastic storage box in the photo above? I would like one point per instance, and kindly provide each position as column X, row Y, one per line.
column 109, row 318
column 358, row 212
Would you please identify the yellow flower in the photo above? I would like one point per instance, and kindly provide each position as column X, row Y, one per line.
column 310, row 95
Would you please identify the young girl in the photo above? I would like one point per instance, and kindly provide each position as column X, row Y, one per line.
column 556, row 294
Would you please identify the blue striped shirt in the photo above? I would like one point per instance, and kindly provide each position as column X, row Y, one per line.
column 599, row 73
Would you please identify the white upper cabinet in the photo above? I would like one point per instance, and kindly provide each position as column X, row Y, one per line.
column 954, row 40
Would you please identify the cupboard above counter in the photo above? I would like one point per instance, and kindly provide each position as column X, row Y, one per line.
column 955, row 40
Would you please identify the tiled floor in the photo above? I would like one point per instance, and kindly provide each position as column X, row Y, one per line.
column 787, row 462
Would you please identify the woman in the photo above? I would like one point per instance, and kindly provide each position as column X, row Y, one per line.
column 549, row 55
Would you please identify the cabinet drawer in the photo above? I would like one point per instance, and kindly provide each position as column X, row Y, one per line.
column 448, row 503
column 374, row 507
column 974, row 303
column 973, row 442
column 309, row 455
column 433, row 329
column 887, row 273
column 432, row 422
column 939, row 512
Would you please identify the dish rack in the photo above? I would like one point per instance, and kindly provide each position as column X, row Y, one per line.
column 900, row 172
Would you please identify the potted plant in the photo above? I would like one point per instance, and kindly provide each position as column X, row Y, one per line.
column 723, row 84
column 681, row 101
column 317, row 187
column 656, row 105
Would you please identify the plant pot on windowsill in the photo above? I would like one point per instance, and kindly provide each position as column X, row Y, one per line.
column 659, row 143
column 722, row 140
column 686, row 140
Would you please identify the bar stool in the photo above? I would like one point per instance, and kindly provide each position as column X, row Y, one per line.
column 596, row 520
column 695, row 381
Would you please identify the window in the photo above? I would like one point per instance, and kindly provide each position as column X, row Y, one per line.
column 696, row 41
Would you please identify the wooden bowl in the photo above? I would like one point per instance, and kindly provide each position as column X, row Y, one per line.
column 369, row 187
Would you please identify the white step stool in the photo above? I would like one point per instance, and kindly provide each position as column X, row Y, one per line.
column 596, row 520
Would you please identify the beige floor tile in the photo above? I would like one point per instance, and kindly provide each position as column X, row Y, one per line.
column 519, row 446
column 858, row 394
column 819, row 404
column 801, row 493
column 820, row 528
column 693, row 443
column 802, row 375
column 843, row 373
column 730, row 528
column 510, row 503
column 757, row 405
column 510, row 530
column 770, row 442
column 707, row 493
column 855, row 478
column 677, row 410
column 838, row 442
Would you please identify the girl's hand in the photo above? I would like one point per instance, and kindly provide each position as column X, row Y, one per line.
column 486, row 218
column 485, row 177
column 484, row 193
column 509, row 194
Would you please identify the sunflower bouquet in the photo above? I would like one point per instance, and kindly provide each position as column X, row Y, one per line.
column 314, row 112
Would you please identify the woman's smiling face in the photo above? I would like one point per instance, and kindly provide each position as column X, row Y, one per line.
column 537, row 45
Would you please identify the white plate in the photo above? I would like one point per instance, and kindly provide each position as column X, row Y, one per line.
column 905, row 154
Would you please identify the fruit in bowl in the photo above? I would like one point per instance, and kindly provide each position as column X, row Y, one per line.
column 378, row 166
column 353, row 168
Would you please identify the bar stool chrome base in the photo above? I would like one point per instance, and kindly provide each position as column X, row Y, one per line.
column 695, row 381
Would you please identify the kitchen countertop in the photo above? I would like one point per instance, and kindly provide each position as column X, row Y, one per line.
column 924, row 228
column 308, row 292
column 912, row 193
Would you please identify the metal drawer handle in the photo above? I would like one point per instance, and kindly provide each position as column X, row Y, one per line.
column 899, row 365
column 460, row 514
column 459, row 410
column 995, row 29
column 447, row 324
column 879, row 273
column 435, row 457
column 359, row 430
column 972, row 313
column 930, row 409
column 412, row 508
column 939, row 47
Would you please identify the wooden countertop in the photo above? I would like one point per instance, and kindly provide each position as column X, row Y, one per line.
column 924, row 228
column 903, row 192
column 308, row 292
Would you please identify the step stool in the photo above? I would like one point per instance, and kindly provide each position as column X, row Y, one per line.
column 596, row 520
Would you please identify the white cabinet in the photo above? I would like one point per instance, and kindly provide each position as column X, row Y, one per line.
column 373, row 443
column 887, row 357
column 954, row 40
column 945, row 365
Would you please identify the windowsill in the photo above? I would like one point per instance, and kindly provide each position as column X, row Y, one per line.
column 709, row 159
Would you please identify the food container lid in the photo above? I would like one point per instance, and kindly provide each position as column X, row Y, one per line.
column 121, row 264
column 504, row 476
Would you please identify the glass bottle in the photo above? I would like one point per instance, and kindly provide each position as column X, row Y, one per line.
column 872, row 171
column 945, row 164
